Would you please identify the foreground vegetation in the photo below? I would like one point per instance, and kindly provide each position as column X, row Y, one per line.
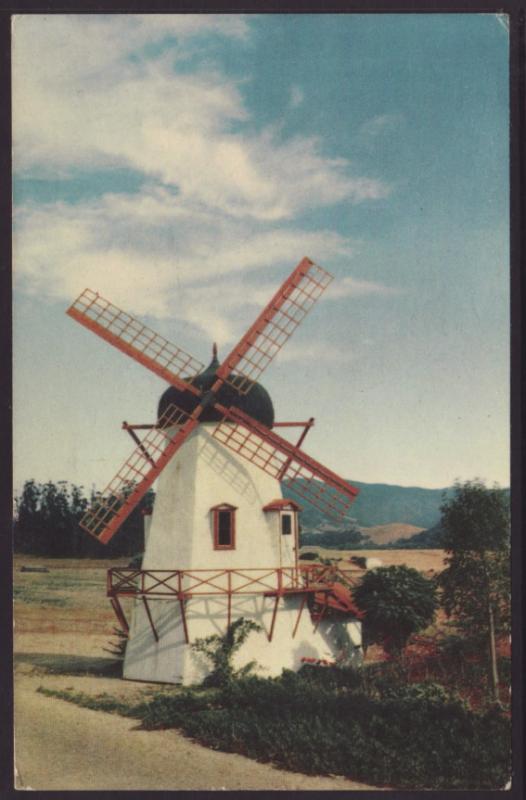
column 433, row 715
column 363, row 724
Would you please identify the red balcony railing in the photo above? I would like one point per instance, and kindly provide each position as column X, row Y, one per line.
column 181, row 585
column 161, row 583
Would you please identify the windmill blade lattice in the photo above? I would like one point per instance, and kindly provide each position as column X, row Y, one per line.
column 139, row 471
column 238, row 431
column 274, row 326
column 134, row 339
column 274, row 455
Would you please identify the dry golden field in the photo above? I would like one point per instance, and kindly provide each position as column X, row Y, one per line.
column 426, row 561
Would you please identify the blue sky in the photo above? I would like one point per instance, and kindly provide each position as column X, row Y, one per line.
column 183, row 165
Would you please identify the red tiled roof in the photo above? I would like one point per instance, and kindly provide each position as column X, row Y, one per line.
column 280, row 504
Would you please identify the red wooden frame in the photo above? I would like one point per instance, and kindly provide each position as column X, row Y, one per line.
column 285, row 462
column 316, row 580
column 166, row 583
column 216, row 510
column 275, row 324
column 272, row 328
column 134, row 339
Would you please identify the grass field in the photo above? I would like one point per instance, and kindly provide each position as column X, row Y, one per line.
column 66, row 609
column 63, row 617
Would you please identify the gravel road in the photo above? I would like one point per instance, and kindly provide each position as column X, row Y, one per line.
column 60, row 746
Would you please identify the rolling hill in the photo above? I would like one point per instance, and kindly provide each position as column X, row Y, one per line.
column 380, row 504
column 395, row 532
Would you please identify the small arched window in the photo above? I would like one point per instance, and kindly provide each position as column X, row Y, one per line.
column 224, row 526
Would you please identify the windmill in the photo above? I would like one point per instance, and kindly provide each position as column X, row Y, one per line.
column 222, row 542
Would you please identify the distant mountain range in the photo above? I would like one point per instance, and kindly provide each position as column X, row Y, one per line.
column 360, row 539
column 382, row 504
column 382, row 516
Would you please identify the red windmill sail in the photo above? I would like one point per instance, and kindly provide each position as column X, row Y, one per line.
column 275, row 325
column 104, row 518
column 134, row 339
column 238, row 431
column 281, row 459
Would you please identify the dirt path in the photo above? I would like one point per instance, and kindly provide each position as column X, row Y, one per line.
column 60, row 746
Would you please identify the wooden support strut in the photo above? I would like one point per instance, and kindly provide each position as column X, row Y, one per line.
column 302, row 606
column 229, row 601
column 131, row 431
column 149, row 615
column 182, row 603
column 181, row 598
column 119, row 613
column 308, row 425
column 274, row 614
column 320, row 617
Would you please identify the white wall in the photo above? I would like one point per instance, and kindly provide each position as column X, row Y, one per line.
column 203, row 474
column 171, row 660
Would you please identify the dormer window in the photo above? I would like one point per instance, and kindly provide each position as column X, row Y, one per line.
column 224, row 526
column 288, row 511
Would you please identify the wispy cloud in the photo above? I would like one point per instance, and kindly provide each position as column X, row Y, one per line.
column 81, row 101
column 296, row 96
column 380, row 124
column 314, row 352
column 153, row 254
column 222, row 201
column 354, row 287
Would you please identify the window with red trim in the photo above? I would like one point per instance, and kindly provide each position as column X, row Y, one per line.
column 224, row 518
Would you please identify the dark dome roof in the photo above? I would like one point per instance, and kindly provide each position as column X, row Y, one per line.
column 256, row 403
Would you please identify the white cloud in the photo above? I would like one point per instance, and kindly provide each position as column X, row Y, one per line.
column 314, row 352
column 80, row 101
column 382, row 123
column 152, row 254
column 203, row 241
column 354, row 287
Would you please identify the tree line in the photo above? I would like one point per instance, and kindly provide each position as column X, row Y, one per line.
column 46, row 523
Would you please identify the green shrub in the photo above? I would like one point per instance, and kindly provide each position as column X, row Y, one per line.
column 365, row 725
column 220, row 651
column 416, row 737
column 420, row 738
column 397, row 602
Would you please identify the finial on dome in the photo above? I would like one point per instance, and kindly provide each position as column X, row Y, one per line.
column 214, row 350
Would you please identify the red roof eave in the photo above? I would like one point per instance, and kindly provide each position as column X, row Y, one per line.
column 280, row 504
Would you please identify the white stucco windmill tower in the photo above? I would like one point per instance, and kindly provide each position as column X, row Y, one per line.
column 222, row 542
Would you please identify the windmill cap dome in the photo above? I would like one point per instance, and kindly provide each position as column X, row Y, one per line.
column 256, row 403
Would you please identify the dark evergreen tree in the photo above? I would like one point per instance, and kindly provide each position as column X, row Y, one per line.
column 47, row 520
